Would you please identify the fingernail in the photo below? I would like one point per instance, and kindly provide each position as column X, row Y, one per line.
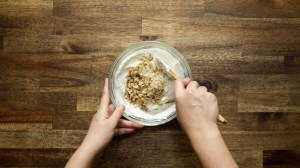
column 140, row 125
column 190, row 92
column 136, row 124
column 122, row 106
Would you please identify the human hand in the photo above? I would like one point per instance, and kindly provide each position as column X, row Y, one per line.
column 197, row 112
column 197, row 109
column 106, row 123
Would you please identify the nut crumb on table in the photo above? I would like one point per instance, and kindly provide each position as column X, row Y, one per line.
column 145, row 83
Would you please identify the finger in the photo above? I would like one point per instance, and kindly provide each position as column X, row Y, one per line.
column 104, row 100
column 122, row 131
column 179, row 87
column 202, row 89
column 111, row 109
column 128, row 124
column 193, row 85
column 117, row 114
column 186, row 81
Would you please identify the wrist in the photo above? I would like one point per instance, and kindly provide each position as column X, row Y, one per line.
column 88, row 146
column 207, row 131
column 86, row 150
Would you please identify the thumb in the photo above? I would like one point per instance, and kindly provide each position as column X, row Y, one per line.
column 117, row 114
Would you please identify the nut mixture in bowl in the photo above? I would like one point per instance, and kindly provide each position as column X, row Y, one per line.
column 145, row 83
column 138, row 82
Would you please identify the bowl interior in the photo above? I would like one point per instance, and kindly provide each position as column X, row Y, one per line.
column 118, row 75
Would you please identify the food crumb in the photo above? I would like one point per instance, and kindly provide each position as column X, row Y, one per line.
column 145, row 83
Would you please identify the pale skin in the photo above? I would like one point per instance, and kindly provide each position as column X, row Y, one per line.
column 197, row 112
column 105, row 124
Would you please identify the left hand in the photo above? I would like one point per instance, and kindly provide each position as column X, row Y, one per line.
column 106, row 123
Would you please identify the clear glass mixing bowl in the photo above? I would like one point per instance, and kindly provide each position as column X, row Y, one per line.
column 117, row 81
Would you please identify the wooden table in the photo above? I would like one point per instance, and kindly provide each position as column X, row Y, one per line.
column 47, row 97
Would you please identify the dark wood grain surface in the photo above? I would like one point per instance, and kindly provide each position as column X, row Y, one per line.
column 48, row 93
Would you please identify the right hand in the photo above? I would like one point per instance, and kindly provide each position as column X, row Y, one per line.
column 197, row 109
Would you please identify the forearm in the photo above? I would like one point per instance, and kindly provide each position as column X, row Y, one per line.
column 82, row 158
column 211, row 149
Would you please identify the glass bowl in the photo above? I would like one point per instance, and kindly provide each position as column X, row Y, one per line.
column 118, row 78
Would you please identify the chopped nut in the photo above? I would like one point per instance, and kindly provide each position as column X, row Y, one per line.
column 145, row 83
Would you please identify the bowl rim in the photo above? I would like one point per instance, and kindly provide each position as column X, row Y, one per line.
column 140, row 45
